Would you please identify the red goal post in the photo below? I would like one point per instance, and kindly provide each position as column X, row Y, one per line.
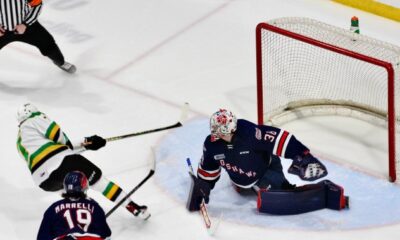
column 306, row 67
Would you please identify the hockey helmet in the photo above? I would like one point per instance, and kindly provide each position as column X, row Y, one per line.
column 75, row 183
column 25, row 111
column 222, row 122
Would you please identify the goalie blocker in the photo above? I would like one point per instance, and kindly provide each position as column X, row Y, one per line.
column 307, row 198
column 199, row 190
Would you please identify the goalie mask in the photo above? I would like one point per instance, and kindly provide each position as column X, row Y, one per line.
column 25, row 111
column 222, row 123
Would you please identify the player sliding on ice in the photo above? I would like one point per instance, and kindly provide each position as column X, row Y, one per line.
column 50, row 155
column 251, row 154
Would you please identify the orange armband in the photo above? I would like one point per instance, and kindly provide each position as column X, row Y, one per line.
column 34, row 3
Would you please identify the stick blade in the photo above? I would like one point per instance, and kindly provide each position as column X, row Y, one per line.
column 153, row 159
column 184, row 112
column 213, row 228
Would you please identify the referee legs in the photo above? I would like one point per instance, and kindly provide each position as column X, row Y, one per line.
column 39, row 37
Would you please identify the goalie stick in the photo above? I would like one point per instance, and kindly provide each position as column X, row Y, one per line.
column 184, row 113
column 203, row 208
column 151, row 173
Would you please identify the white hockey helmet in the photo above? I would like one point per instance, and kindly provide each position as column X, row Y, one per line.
column 25, row 111
column 222, row 122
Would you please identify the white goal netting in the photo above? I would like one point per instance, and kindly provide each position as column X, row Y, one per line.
column 306, row 67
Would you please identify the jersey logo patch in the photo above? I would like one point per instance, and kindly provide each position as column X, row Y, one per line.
column 219, row 156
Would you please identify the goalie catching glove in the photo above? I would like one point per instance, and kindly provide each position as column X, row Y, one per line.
column 94, row 142
column 308, row 167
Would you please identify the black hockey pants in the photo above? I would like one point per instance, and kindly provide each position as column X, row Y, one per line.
column 71, row 163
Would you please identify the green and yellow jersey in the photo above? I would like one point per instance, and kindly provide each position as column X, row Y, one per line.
column 43, row 145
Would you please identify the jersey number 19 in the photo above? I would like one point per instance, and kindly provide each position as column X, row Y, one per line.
column 83, row 219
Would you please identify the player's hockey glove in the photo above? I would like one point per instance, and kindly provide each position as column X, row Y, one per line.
column 94, row 142
column 308, row 168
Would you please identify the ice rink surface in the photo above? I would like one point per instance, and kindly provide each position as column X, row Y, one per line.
column 138, row 62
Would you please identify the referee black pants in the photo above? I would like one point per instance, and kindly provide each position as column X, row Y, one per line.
column 39, row 37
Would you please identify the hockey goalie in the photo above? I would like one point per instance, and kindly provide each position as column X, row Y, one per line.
column 250, row 154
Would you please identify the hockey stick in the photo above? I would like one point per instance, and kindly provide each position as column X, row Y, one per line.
column 184, row 113
column 203, row 208
column 151, row 173
column 178, row 124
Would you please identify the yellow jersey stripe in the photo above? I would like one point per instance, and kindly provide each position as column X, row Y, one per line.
column 39, row 156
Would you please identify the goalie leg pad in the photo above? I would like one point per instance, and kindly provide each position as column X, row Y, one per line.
column 335, row 198
column 307, row 198
column 199, row 190
column 286, row 202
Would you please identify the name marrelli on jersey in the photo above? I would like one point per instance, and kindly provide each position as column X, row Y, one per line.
column 63, row 206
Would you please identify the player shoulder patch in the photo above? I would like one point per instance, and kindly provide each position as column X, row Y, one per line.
column 219, row 156
column 258, row 134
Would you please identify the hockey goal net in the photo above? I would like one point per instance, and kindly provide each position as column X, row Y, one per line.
column 306, row 68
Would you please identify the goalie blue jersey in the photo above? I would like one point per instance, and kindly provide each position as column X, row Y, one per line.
column 247, row 157
column 81, row 218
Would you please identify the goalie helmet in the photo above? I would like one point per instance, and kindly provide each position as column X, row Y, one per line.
column 222, row 122
column 25, row 111
column 75, row 184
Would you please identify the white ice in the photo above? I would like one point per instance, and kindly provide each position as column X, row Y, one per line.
column 138, row 62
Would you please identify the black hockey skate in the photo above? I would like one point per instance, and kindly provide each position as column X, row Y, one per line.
column 138, row 211
column 68, row 67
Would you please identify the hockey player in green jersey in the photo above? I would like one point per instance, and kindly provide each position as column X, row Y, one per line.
column 50, row 155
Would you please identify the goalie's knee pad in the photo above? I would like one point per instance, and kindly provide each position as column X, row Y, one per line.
column 245, row 191
column 307, row 198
